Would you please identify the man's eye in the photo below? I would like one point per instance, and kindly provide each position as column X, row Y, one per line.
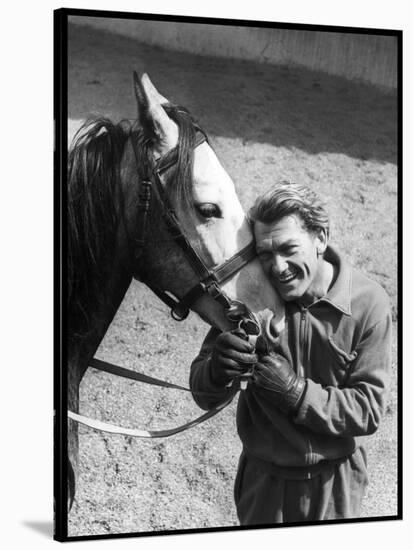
column 209, row 210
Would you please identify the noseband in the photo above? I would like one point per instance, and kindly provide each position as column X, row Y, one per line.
column 210, row 280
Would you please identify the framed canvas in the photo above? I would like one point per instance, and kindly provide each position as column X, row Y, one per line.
column 168, row 130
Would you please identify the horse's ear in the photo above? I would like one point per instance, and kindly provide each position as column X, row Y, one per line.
column 142, row 102
column 151, row 91
column 152, row 116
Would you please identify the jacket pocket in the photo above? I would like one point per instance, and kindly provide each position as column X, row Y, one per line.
column 342, row 360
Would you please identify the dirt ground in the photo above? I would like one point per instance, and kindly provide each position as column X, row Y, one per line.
column 266, row 123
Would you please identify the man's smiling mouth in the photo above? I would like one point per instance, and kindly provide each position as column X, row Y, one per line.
column 287, row 276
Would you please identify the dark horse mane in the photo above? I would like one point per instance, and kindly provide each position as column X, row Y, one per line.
column 95, row 202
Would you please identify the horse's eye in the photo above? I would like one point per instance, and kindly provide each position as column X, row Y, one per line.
column 209, row 210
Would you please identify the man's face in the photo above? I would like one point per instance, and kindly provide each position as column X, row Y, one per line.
column 288, row 254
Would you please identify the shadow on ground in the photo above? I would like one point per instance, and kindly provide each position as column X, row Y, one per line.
column 282, row 106
column 44, row 528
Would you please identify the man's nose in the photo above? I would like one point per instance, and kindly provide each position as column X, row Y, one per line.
column 279, row 264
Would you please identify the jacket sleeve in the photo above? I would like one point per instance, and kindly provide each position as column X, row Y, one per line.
column 205, row 392
column 357, row 408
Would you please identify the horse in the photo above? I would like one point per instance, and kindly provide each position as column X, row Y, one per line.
column 149, row 199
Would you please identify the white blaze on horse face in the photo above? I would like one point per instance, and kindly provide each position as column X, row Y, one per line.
column 225, row 233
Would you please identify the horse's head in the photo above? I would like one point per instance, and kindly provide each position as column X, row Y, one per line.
column 190, row 183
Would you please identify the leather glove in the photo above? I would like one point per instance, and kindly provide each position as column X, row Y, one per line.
column 274, row 373
column 231, row 356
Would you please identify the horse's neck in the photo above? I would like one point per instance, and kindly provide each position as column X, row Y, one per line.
column 83, row 347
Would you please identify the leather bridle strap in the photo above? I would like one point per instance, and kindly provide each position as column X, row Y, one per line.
column 235, row 263
column 211, row 282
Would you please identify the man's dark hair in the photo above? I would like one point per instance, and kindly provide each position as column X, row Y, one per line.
column 285, row 199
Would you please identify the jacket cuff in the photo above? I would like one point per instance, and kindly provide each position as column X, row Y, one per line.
column 311, row 394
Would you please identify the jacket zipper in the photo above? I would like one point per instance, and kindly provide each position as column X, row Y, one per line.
column 303, row 356
column 304, row 348
column 303, row 320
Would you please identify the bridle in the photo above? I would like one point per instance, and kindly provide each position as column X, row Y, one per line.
column 210, row 281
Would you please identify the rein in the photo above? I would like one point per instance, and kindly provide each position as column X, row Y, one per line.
column 210, row 281
column 139, row 377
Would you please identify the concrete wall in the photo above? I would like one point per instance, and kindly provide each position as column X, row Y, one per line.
column 371, row 58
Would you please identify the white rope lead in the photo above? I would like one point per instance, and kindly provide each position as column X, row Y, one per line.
column 131, row 432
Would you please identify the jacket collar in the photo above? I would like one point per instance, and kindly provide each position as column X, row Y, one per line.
column 339, row 295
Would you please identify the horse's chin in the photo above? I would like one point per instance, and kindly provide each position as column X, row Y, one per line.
column 212, row 313
column 272, row 324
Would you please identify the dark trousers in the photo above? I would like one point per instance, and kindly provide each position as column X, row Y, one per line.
column 265, row 494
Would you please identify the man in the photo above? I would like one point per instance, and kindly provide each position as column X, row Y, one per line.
column 310, row 404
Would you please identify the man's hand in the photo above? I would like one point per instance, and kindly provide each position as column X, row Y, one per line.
column 274, row 373
column 232, row 356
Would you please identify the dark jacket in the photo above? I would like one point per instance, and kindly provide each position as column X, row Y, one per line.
column 341, row 344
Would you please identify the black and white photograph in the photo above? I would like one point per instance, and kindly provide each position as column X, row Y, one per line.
column 205, row 224
column 229, row 276
column 229, row 320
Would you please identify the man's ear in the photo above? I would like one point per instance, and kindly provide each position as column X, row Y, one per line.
column 322, row 241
